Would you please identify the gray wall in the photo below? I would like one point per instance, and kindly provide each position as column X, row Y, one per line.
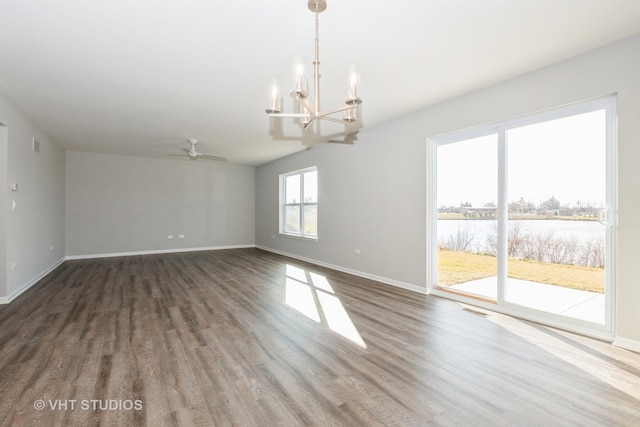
column 4, row 192
column 121, row 204
column 371, row 197
column 37, row 225
column 373, row 194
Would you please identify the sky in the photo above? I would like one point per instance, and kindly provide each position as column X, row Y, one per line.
column 563, row 158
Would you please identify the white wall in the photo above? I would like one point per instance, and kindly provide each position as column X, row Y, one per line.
column 372, row 194
column 37, row 224
column 123, row 204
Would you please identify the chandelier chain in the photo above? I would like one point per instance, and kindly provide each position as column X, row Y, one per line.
column 317, row 59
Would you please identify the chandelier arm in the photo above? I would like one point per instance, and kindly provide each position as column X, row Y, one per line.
column 328, row 113
column 288, row 115
column 332, row 119
column 306, row 105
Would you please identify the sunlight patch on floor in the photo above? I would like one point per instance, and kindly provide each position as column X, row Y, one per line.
column 311, row 294
column 300, row 297
column 338, row 319
column 321, row 282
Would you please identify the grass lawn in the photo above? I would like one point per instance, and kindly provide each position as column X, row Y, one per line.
column 460, row 267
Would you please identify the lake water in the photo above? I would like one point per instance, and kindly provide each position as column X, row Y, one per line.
column 482, row 230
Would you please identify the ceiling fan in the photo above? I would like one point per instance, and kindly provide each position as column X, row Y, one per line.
column 193, row 154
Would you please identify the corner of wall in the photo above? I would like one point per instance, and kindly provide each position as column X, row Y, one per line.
column 32, row 236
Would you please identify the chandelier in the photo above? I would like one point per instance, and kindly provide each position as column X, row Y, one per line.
column 308, row 108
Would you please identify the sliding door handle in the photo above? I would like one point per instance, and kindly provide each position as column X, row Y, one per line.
column 603, row 216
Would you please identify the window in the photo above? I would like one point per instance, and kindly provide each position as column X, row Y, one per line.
column 299, row 203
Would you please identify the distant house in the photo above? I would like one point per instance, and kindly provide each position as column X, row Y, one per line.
column 483, row 212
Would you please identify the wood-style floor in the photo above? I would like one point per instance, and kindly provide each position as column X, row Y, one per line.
column 249, row 338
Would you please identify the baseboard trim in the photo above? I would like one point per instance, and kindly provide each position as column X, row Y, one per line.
column 155, row 252
column 385, row 280
column 15, row 294
column 628, row 344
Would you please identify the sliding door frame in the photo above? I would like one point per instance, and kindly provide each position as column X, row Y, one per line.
column 603, row 331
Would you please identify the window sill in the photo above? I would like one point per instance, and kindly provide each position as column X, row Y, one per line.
column 298, row 237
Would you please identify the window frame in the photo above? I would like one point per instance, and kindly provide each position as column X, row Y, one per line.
column 283, row 205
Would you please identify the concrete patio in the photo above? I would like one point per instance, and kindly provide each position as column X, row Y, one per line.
column 568, row 302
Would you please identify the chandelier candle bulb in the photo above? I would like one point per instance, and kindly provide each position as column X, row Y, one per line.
column 353, row 80
column 300, row 77
column 275, row 105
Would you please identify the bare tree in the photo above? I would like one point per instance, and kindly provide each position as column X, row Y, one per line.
column 458, row 241
column 542, row 247
column 551, row 204
column 592, row 254
column 514, row 239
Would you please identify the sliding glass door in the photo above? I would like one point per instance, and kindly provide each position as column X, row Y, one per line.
column 557, row 226
column 522, row 216
column 466, row 219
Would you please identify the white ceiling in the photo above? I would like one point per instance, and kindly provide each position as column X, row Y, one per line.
column 139, row 77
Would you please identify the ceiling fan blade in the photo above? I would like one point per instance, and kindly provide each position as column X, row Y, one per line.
column 213, row 157
column 192, row 154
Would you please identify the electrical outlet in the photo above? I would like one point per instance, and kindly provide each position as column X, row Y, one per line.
column 181, row 236
column 14, row 266
column 170, row 236
column 356, row 251
column 13, row 205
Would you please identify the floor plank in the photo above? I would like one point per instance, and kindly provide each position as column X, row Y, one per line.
column 214, row 338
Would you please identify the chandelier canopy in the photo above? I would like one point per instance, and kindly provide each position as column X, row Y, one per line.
column 308, row 107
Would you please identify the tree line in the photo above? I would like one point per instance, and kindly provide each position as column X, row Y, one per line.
column 543, row 247
column 523, row 207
